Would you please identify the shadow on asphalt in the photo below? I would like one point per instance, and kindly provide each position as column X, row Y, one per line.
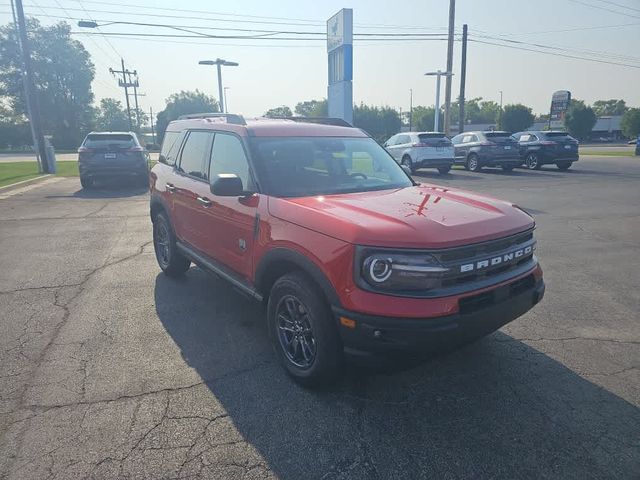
column 111, row 188
column 497, row 408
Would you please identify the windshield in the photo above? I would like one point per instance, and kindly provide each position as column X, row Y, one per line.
column 303, row 166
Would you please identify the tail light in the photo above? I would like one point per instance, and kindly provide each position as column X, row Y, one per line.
column 135, row 149
column 419, row 144
column 487, row 144
column 83, row 150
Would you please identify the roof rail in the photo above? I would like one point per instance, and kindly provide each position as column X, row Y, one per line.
column 338, row 122
column 230, row 117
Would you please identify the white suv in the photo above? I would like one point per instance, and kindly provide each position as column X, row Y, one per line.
column 422, row 150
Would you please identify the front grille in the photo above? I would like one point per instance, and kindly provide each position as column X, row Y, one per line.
column 482, row 261
column 475, row 303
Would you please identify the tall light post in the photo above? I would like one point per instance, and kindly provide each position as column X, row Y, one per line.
column 219, row 62
column 438, row 74
column 226, row 104
column 410, row 109
column 500, row 114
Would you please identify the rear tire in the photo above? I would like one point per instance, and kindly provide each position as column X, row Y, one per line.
column 564, row 166
column 444, row 170
column 170, row 260
column 473, row 164
column 303, row 331
column 86, row 182
column 407, row 162
column 533, row 161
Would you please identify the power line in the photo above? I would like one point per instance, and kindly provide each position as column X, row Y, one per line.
column 619, row 5
column 554, row 54
column 576, row 29
column 98, row 28
column 591, row 5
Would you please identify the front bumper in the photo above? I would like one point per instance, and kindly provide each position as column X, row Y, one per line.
column 479, row 315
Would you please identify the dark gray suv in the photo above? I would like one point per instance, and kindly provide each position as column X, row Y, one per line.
column 112, row 154
column 475, row 150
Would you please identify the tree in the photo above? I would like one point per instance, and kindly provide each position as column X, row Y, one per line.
column 111, row 116
column 579, row 119
column 312, row 108
column 630, row 123
column 423, row 119
column 516, row 118
column 379, row 122
column 609, row 107
column 184, row 103
column 476, row 111
column 63, row 73
column 282, row 111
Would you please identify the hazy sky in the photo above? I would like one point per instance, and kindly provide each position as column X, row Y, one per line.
column 273, row 73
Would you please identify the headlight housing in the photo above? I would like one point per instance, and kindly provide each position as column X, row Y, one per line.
column 393, row 271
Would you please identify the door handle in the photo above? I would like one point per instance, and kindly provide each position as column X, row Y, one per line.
column 205, row 202
column 170, row 187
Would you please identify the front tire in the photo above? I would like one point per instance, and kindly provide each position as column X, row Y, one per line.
column 170, row 260
column 303, row 331
column 444, row 170
column 473, row 163
column 533, row 161
column 564, row 166
column 407, row 162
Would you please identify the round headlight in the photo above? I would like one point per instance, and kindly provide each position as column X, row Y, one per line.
column 380, row 269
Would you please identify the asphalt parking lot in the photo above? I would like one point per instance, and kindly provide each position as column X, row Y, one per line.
column 109, row 369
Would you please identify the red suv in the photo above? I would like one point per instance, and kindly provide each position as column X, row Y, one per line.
column 348, row 253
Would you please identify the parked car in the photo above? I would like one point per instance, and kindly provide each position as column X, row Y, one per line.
column 541, row 148
column 112, row 155
column 421, row 150
column 638, row 145
column 475, row 150
column 346, row 252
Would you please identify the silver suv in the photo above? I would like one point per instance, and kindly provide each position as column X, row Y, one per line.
column 422, row 150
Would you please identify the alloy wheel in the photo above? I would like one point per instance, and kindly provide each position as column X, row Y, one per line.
column 294, row 332
column 161, row 243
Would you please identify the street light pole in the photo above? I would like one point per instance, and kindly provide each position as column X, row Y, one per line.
column 438, row 74
column 411, row 109
column 226, row 104
column 500, row 114
column 219, row 62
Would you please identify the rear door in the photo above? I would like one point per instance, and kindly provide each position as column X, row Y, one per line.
column 190, row 186
column 391, row 146
column 231, row 222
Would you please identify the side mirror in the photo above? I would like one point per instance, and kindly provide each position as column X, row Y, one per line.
column 406, row 169
column 227, row 185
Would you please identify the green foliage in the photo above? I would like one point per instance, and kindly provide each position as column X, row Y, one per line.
column 14, row 130
column 630, row 123
column 476, row 111
column 610, row 107
column 63, row 73
column 312, row 108
column 516, row 118
column 379, row 122
column 184, row 103
column 282, row 111
column 579, row 119
column 423, row 119
column 111, row 116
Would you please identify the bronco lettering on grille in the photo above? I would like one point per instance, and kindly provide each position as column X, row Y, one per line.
column 507, row 257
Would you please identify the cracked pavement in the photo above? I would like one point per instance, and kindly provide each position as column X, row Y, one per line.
column 108, row 369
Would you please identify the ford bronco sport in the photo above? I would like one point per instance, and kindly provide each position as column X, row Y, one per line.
column 347, row 252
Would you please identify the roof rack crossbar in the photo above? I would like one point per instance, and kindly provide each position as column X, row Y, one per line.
column 338, row 122
column 230, row 117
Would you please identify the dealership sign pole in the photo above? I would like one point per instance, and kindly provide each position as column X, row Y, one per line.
column 340, row 53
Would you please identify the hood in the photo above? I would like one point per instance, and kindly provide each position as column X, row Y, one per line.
column 422, row 216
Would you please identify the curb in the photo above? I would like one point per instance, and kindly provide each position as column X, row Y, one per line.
column 23, row 183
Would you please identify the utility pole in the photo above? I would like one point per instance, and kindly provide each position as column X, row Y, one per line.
column 123, row 83
column 463, row 79
column 411, row 109
column 30, row 94
column 500, row 114
column 447, row 88
column 153, row 133
column 135, row 97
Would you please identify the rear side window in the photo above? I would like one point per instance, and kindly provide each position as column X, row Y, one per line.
column 229, row 157
column 170, row 147
column 196, row 149
column 402, row 139
column 110, row 140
